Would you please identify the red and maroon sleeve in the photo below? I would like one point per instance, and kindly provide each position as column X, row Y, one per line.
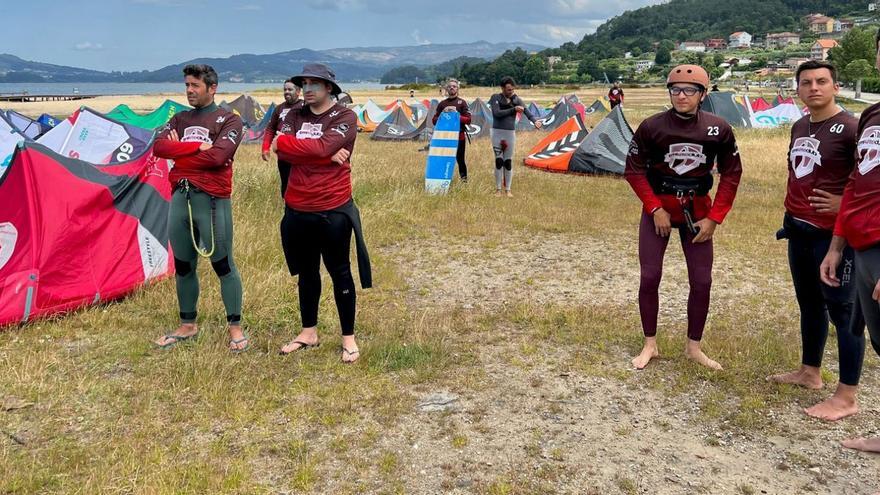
column 437, row 113
column 174, row 150
column 636, row 172
column 221, row 152
column 341, row 134
column 730, row 167
column 267, row 141
column 164, row 147
column 844, row 204
column 464, row 113
column 271, row 128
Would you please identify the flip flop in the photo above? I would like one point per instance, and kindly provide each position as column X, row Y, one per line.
column 350, row 353
column 244, row 338
column 302, row 346
column 172, row 340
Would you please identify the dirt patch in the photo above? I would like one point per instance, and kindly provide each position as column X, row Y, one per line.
column 563, row 269
column 535, row 427
column 542, row 429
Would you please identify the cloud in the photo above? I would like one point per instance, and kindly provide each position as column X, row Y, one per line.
column 160, row 3
column 88, row 46
column 337, row 5
column 594, row 9
column 417, row 36
column 249, row 7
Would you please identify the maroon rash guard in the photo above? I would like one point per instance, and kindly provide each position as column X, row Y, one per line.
column 675, row 147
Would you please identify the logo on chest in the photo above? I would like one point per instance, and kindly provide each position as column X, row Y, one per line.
column 684, row 157
column 869, row 149
column 310, row 131
column 196, row 134
column 283, row 114
column 805, row 156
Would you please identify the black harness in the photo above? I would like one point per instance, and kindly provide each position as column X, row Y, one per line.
column 685, row 189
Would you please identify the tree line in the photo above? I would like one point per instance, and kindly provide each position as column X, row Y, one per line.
column 525, row 68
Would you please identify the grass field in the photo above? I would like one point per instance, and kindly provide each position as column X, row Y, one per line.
column 524, row 309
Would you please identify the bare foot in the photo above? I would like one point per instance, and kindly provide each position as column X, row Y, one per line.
column 498, row 192
column 696, row 354
column 840, row 405
column 184, row 331
column 307, row 338
column 509, row 194
column 863, row 444
column 807, row 377
column 237, row 339
column 350, row 351
column 649, row 352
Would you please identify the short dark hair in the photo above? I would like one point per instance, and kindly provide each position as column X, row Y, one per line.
column 507, row 80
column 813, row 65
column 204, row 72
column 291, row 81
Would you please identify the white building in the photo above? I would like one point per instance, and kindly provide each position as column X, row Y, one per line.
column 692, row 46
column 740, row 39
column 643, row 65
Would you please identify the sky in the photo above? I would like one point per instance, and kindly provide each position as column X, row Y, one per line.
column 131, row 35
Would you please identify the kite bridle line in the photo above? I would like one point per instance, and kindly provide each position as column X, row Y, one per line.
column 184, row 183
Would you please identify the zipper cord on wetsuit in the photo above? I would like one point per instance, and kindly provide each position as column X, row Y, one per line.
column 192, row 232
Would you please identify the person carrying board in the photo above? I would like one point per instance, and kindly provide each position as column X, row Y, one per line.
column 453, row 103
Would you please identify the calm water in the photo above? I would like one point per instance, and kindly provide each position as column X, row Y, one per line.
column 147, row 88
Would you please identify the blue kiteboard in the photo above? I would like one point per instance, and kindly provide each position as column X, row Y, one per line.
column 441, row 154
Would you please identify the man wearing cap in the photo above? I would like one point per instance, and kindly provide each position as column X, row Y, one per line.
column 453, row 103
column 202, row 142
column 320, row 214
column 277, row 123
column 669, row 166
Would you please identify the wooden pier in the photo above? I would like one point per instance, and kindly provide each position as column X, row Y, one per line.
column 26, row 97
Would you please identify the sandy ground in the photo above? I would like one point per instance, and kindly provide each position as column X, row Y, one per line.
column 549, row 428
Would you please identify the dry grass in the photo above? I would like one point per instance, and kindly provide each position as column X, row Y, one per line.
column 113, row 415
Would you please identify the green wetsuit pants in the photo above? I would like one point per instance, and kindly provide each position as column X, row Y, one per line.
column 209, row 214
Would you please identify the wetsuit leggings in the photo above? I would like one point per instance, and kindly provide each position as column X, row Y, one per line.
column 284, row 172
column 459, row 157
column 503, row 142
column 307, row 237
column 699, row 257
column 818, row 302
column 206, row 211
column 867, row 275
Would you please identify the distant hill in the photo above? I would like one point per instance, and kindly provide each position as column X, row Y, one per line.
column 14, row 69
column 350, row 64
